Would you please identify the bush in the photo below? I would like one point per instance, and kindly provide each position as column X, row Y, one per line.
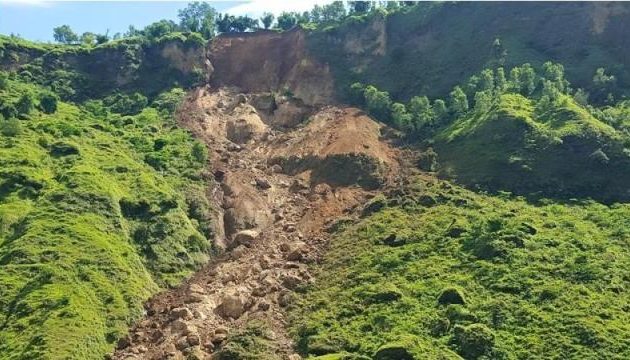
column 25, row 105
column 10, row 127
column 126, row 104
column 4, row 80
column 474, row 340
column 48, row 103
column 451, row 296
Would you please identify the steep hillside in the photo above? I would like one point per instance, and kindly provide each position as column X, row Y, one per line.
column 439, row 44
column 135, row 64
column 561, row 151
column 97, row 212
column 443, row 273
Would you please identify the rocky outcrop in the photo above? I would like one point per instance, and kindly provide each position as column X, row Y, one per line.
column 270, row 61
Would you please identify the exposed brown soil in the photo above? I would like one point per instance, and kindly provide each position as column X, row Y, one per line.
column 270, row 61
column 272, row 221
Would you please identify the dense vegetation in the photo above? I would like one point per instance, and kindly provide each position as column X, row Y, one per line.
column 441, row 272
column 98, row 210
column 527, row 132
column 102, row 196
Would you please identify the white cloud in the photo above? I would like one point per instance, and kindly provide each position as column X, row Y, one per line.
column 257, row 7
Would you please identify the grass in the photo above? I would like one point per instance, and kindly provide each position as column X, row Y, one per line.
column 89, row 229
column 544, row 280
column 555, row 151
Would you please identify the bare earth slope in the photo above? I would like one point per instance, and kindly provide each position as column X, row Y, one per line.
column 280, row 191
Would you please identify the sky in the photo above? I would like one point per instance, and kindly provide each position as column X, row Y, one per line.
column 35, row 19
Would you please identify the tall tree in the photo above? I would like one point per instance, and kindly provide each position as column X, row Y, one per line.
column 360, row 7
column 267, row 19
column 286, row 20
column 459, row 101
column 198, row 17
column 64, row 34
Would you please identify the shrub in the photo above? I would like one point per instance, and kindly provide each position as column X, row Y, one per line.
column 451, row 295
column 48, row 103
column 4, row 80
column 25, row 105
column 474, row 340
column 10, row 127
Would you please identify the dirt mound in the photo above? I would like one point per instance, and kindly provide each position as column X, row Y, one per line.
column 270, row 61
column 335, row 139
column 274, row 221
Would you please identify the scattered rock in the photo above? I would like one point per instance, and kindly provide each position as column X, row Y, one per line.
column 291, row 281
column 245, row 237
column 196, row 288
column 124, row 342
column 263, row 305
column 322, row 189
column 181, row 313
column 232, row 306
column 239, row 251
column 219, row 338
column 194, row 339
column 262, row 183
column 297, row 252
column 182, row 343
column 233, row 147
column 194, row 298
column 284, row 247
column 275, row 169
column 182, row 327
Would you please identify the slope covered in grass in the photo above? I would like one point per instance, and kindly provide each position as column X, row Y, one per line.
column 518, row 144
column 97, row 212
column 442, row 272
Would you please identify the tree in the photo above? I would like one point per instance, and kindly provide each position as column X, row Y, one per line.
column 377, row 102
column 102, row 38
column 244, row 23
column 88, row 38
column 401, row 118
column 527, row 79
column 359, row 7
column 334, row 11
column 159, row 28
column 483, row 100
column 439, row 110
column 64, row 34
column 604, row 86
column 420, row 109
column 356, row 94
column 25, row 104
column 486, row 80
column 198, row 17
column 48, row 103
column 459, row 101
column 267, row 19
column 555, row 74
column 4, row 80
column 500, row 81
column 286, row 20
column 224, row 24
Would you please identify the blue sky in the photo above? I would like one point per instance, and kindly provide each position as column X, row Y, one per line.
column 35, row 19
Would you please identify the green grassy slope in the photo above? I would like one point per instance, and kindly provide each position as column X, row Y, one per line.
column 443, row 272
column 88, row 229
column 558, row 151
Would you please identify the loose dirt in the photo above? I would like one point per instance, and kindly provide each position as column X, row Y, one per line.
column 277, row 189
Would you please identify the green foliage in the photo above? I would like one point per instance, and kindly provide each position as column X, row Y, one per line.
column 459, row 101
column 251, row 343
column 126, row 104
column 198, row 17
column 267, row 20
column 10, row 127
column 64, row 34
column 377, row 102
column 48, row 102
column 88, row 229
column 25, row 104
column 554, row 291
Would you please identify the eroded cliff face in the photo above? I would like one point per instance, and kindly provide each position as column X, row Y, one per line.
column 269, row 61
